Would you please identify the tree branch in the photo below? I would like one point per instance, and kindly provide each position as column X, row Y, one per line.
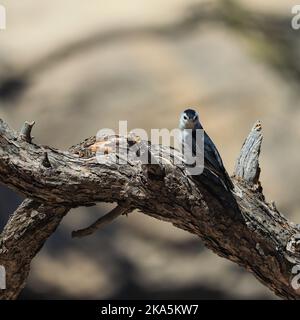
column 247, row 166
column 25, row 133
column 239, row 226
column 101, row 222
column 25, row 233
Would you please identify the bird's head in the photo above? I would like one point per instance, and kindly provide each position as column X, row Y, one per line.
column 188, row 119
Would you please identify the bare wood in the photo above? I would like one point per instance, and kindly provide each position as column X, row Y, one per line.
column 25, row 133
column 247, row 165
column 240, row 226
column 101, row 222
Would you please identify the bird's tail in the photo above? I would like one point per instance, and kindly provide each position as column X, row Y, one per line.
column 228, row 183
column 225, row 180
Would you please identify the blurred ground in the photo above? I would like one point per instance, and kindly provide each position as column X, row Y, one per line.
column 76, row 67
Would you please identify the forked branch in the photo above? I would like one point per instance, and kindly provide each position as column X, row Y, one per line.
column 240, row 226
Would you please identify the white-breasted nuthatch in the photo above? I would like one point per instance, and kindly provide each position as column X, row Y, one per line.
column 188, row 124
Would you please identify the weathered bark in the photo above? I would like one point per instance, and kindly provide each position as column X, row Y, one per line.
column 240, row 226
column 25, row 233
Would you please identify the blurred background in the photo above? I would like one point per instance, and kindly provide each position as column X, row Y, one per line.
column 78, row 66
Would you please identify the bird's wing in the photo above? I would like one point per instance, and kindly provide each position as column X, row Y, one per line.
column 212, row 158
column 211, row 152
column 213, row 161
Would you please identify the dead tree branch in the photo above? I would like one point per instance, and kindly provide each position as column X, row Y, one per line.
column 240, row 226
column 24, row 235
column 25, row 133
column 101, row 222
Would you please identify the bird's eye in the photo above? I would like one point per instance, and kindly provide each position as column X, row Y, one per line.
column 185, row 117
column 195, row 118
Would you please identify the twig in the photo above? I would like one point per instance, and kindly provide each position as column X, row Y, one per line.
column 247, row 165
column 25, row 133
column 103, row 221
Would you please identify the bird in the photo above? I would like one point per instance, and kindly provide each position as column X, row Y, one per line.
column 189, row 122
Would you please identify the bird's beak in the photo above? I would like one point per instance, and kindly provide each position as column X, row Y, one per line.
column 189, row 124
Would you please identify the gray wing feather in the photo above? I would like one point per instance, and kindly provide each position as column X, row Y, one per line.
column 213, row 160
